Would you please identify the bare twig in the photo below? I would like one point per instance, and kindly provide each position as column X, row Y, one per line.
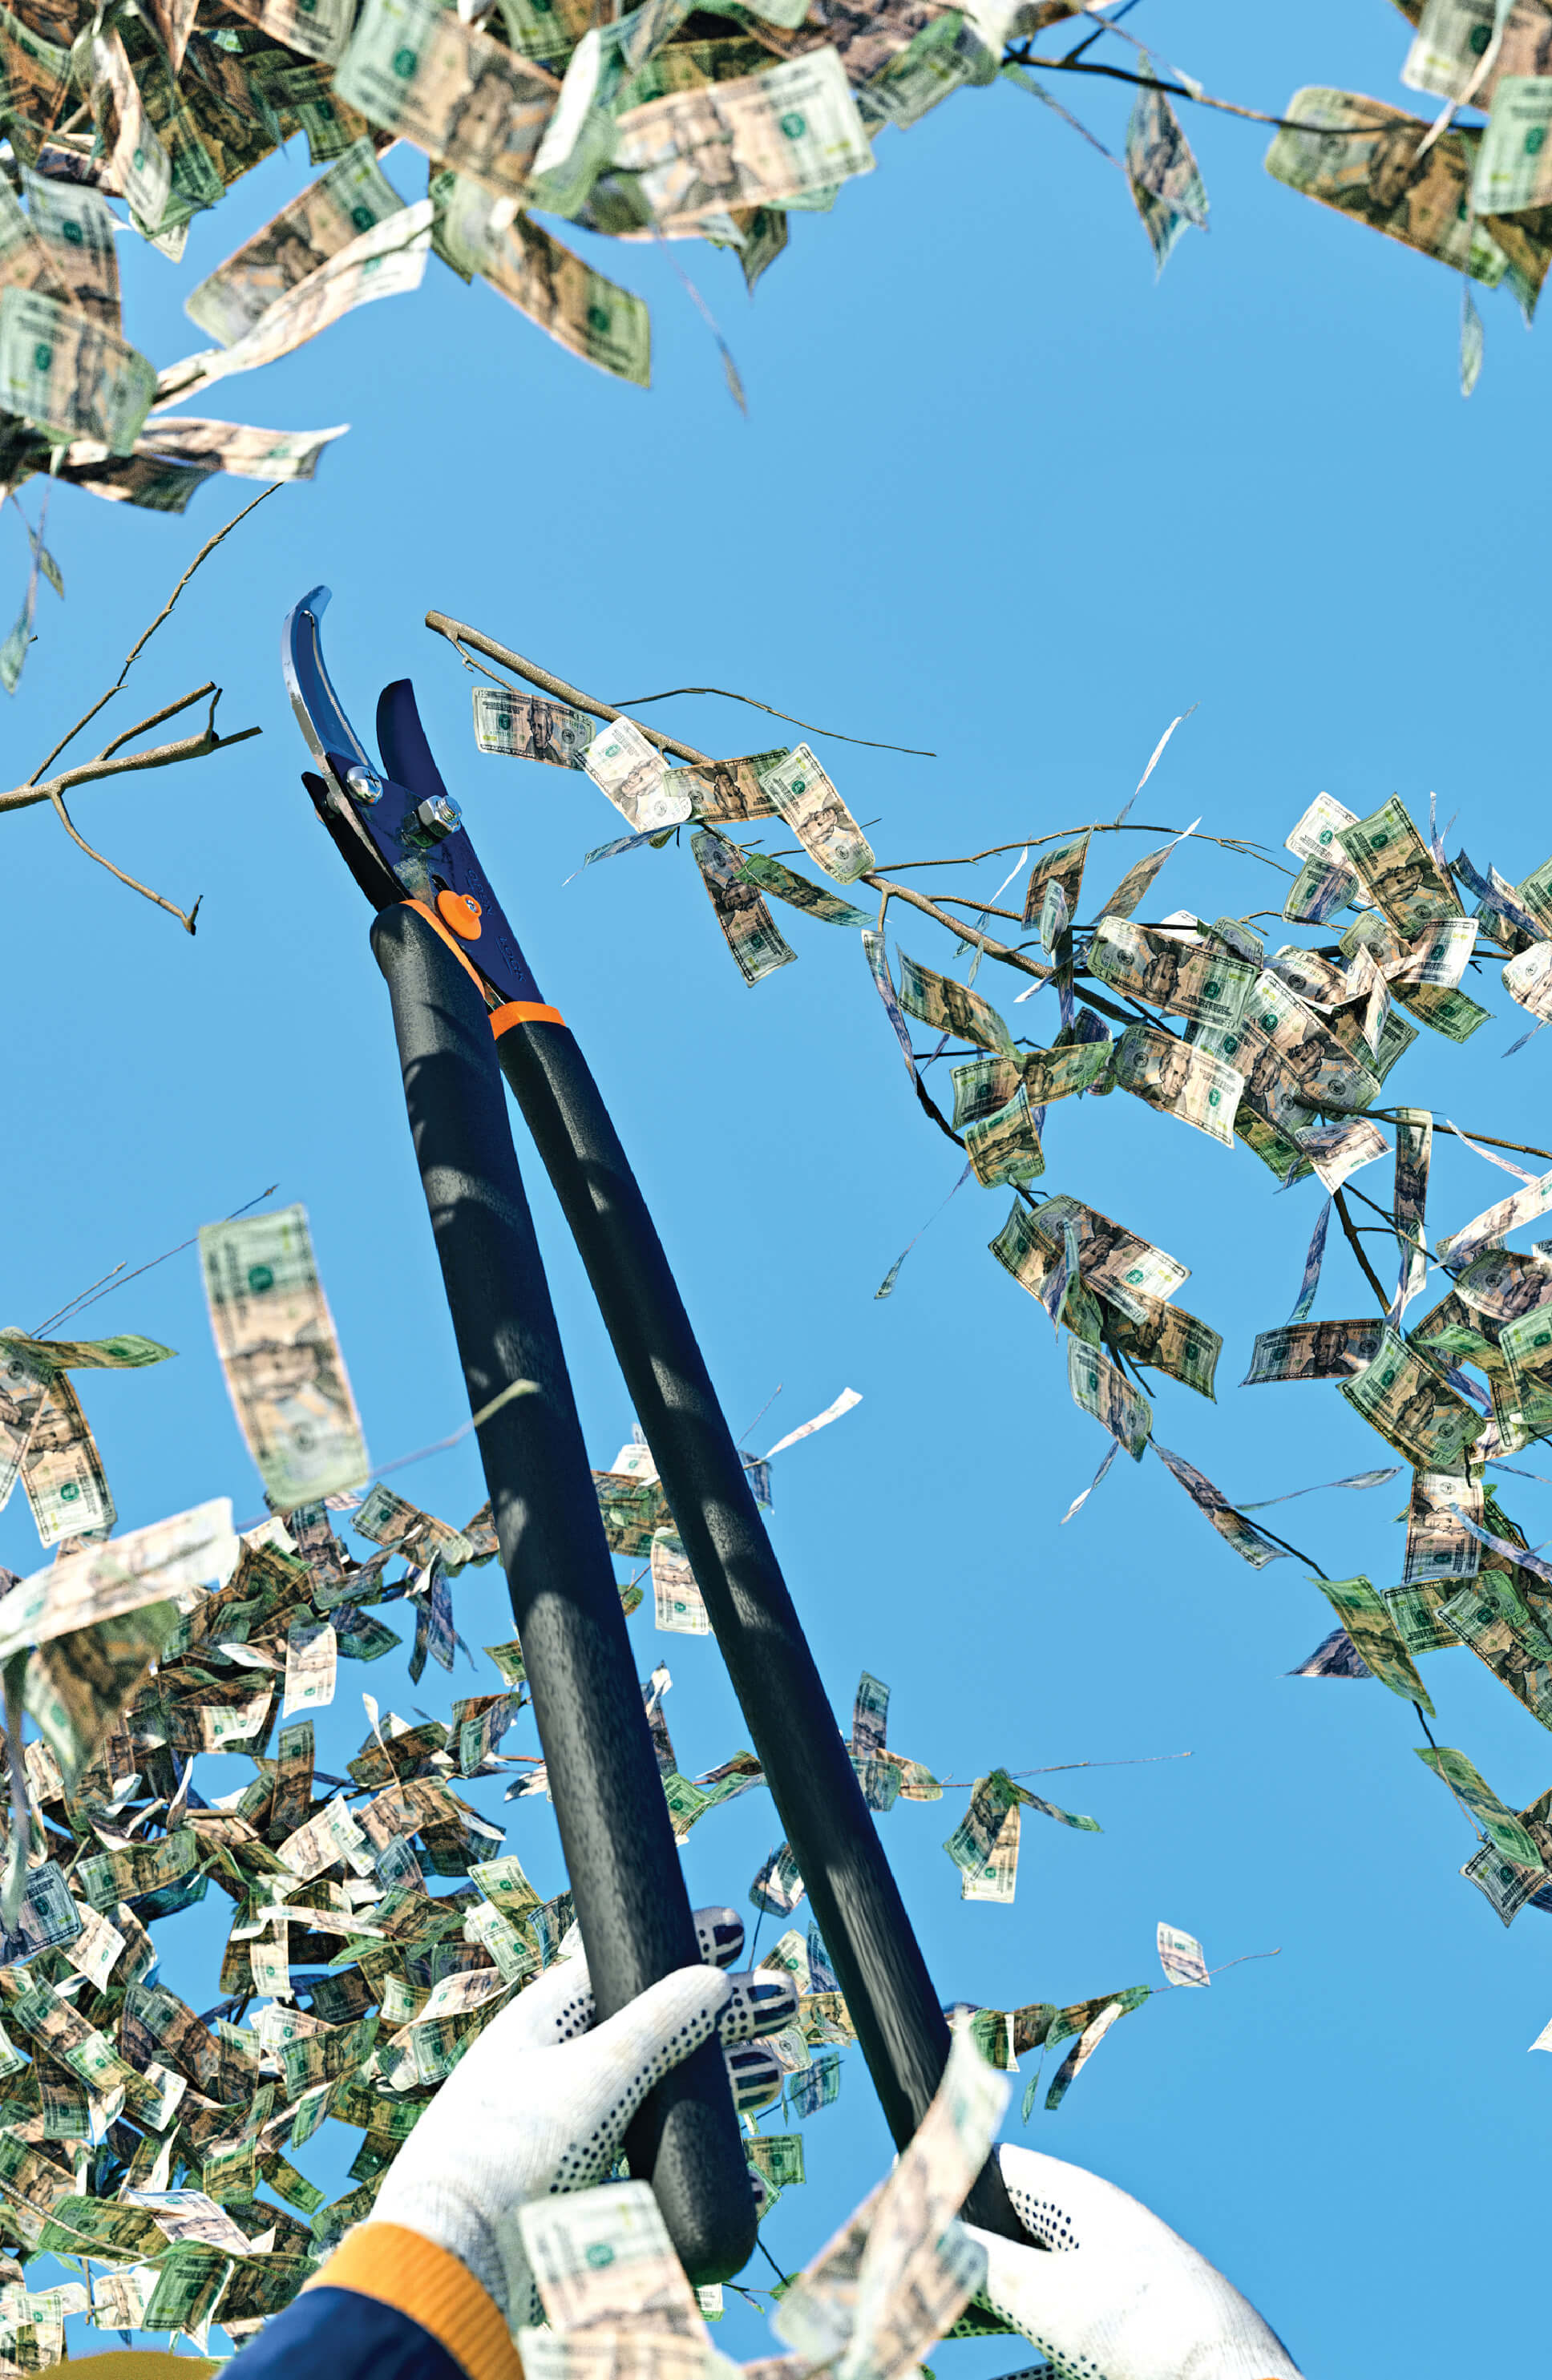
column 911, row 750
column 459, row 636
column 169, row 711
column 1356, row 1244
column 161, row 756
column 1070, row 65
column 1095, row 826
column 137, row 647
column 185, row 916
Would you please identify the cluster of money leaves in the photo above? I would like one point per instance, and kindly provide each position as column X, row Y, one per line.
column 377, row 1924
column 1475, row 195
column 1285, row 1052
column 673, row 121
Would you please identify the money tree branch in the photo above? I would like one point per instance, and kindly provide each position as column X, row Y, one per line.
column 137, row 647
column 169, row 711
column 160, row 756
column 1025, row 56
column 185, row 916
column 1356, row 1244
column 458, row 635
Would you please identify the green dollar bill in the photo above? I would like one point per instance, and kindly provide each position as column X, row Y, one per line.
column 276, row 1341
column 62, row 1471
column 1363, row 160
column 1493, row 1619
column 1372, row 1631
column 748, row 928
column 1504, row 1830
column 1171, row 1340
column 352, row 197
column 951, row 1007
column 1313, row 1351
column 70, row 374
column 1401, row 1396
column 582, row 310
column 1004, row 1147
column 76, row 226
column 762, row 140
column 1182, row 977
column 804, row 794
column 418, row 71
column 773, row 876
column 1166, row 182
column 1181, row 1080
column 1098, row 1388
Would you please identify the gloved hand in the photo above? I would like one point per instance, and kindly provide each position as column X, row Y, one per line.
column 1123, row 2297
column 540, row 2101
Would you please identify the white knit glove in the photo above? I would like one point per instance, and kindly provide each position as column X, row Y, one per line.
column 540, row 2101
column 1123, row 2298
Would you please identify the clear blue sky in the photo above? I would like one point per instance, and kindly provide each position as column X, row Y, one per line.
column 1001, row 496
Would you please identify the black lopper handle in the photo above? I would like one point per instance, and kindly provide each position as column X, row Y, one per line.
column 879, row 1965
column 624, row 1868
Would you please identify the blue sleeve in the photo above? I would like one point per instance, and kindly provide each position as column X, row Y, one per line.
column 339, row 2334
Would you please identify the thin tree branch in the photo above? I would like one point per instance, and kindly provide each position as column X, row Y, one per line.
column 169, row 711
column 185, row 916
column 1025, row 57
column 161, row 756
column 1356, row 1244
column 144, row 638
column 458, row 635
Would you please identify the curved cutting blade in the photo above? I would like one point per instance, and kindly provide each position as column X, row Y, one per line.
column 320, row 714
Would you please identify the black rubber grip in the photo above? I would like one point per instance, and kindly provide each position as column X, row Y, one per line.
column 623, row 1862
column 878, row 1962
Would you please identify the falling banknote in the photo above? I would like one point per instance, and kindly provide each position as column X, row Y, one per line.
column 275, row 1338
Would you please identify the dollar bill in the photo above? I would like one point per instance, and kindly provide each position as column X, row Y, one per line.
column 1504, row 1830
column 1506, row 1887
column 1336, row 1656
column 677, row 1605
column 583, row 311
column 1322, row 890
column 139, row 164
column 1100, row 1389
column 635, row 776
column 778, row 1888
column 1139, row 876
column 1493, row 1619
column 1185, row 980
column 773, row 876
column 1401, row 1396
column 1004, row 1147
column 1165, row 183
column 603, row 2256
column 25, row 263
column 354, row 196
column 525, row 727
column 1313, row 835
column 276, row 1341
column 1414, row 1141
column 984, row 1844
column 319, row 28
column 1372, row 1631
column 949, row 1007
column 1171, row 1340
column 420, row 71
column 1062, row 1074
column 76, row 226
column 1535, row 893
column 1248, row 1542
column 62, row 1471
column 1414, row 1613
column 384, row 262
column 1454, row 50
column 144, row 1566
column 1494, row 1222
column 893, row 2280
column 311, row 1652
column 762, row 140
column 1398, row 871
column 751, row 932
column 1366, row 161
column 800, row 791
column 1182, row 1957
column 76, row 1685
column 69, row 373
column 330, row 1835
column 1121, row 1266
column 1058, row 873
column 1528, row 979
column 1453, row 1014
column 1438, row 1545
column 1179, row 1080
column 1336, row 1150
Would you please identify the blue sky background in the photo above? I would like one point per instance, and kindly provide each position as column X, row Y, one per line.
column 1001, row 496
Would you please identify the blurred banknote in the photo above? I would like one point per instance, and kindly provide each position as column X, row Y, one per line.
column 275, row 1338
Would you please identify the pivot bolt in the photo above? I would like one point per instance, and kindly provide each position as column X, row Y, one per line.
column 439, row 816
column 366, row 788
